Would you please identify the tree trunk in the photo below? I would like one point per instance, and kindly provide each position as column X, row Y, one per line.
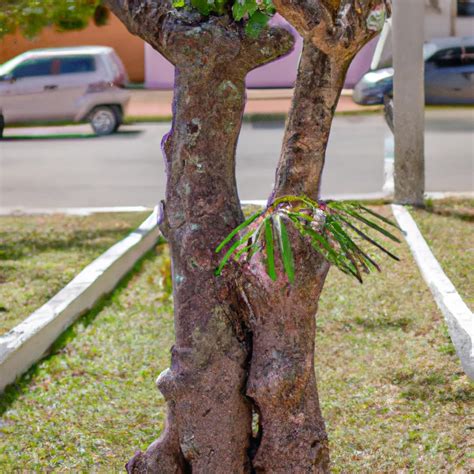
column 318, row 86
column 209, row 421
column 282, row 379
column 244, row 344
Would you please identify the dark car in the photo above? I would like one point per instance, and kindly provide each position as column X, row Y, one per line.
column 449, row 75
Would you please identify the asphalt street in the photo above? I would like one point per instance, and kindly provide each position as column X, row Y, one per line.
column 52, row 167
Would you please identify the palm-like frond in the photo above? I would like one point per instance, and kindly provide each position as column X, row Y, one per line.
column 330, row 228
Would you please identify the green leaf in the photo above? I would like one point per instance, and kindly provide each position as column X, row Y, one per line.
column 347, row 245
column 285, row 247
column 318, row 242
column 269, row 8
column 202, row 6
column 240, row 9
column 369, row 223
column 244, row 224
column 270, row 248
column 231, row 250
column 370, row 239
column 219, row 6
column 178, row 3
column 379, row 216
column 256, row 24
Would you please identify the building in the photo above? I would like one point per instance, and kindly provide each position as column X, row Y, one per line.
column 159, row 73
column 442, row 18
column 129, row 47
column 144, row 65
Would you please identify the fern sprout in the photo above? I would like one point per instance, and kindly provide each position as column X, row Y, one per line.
column 334, row 229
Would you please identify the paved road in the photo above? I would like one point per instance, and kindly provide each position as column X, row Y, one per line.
column 39, row 169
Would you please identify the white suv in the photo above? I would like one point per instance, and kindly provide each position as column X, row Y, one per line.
column 64, row 84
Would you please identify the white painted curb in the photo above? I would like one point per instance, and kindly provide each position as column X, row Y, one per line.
column 458, row 316
column 28, row 342
column 71, row 211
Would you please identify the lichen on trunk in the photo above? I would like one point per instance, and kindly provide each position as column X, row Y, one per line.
column 244, row 350
column 208, row 427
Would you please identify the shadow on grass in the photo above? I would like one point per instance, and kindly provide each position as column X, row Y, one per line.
column 383, row 323
column 13, row 391
column 430, row 385
column 33, row 244
column 68, row 136
column 462, row 212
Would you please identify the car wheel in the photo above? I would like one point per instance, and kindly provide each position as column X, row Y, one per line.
column 104, row 120
column 2, row 125
column 119, row 115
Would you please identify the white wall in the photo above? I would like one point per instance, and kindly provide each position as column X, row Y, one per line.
column 464, row 26
column 438, row 18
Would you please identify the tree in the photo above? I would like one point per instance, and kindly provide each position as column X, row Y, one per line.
column 244, row 351
column 31, row 16
column 241, row 388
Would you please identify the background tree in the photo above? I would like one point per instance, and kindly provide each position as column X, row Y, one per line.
column 31, row 16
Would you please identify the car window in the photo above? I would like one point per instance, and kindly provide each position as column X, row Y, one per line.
column 450, row 57
column 454, row 57
column 465, row 7
column 33, row 68
column 467, row 55
column 76, row 64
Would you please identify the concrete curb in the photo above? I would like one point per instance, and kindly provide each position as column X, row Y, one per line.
column 28, row 342
column 458, row 316
column 86, row 211
column 71, row 211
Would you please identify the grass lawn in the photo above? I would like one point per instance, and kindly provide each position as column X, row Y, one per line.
column 40, row 254
column 391, row 387
column 448, row 227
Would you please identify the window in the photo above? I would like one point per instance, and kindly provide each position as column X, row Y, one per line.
column 465, row 7
column 467, row 55
column 76, row 64
column 448, row 58
column 33, row 68
column 454, row 57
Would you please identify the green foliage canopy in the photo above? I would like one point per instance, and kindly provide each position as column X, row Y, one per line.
column 255, row 13
column 31, row 16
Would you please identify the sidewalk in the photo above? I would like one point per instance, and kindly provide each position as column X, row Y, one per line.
column 157, row 103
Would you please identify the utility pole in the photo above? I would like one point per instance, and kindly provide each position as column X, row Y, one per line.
column 409, row 100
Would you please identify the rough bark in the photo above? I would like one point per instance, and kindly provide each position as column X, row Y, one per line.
column 208, row 428
column 317, row 90
column 282, row 380
column 333, row 31
column 244, row 344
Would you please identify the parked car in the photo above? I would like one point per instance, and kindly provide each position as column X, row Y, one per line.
column 465, row 7
column 449, row 75
column 65, row 84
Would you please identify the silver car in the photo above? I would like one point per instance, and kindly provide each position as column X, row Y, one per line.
column 449, row 75
column 64, row 84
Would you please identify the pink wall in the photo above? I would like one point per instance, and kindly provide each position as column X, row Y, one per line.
column 159, row 73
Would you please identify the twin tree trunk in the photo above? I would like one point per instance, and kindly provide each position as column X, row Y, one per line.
column 241, row 390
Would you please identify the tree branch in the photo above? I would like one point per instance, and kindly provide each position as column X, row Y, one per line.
column 170, row 31
column 338, row 28
column 333, row 31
